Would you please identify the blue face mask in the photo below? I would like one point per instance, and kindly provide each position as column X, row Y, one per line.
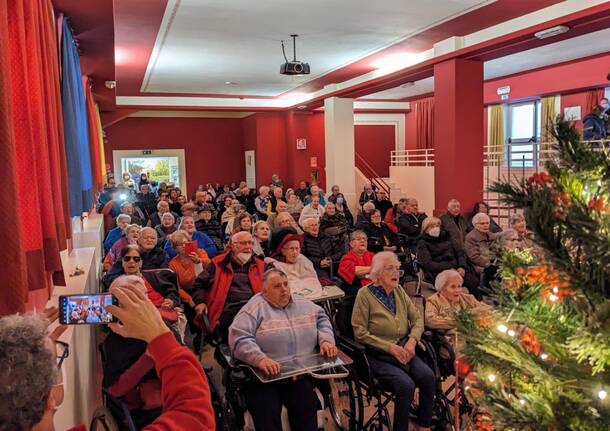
column 606, row 106
column 340, row 201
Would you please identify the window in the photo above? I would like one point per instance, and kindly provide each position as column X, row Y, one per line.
column 523, row 134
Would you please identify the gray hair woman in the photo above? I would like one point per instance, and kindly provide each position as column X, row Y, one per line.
column 386, row 321
column 478, row 243
column 30, row 383
column 166, row 227
column 450, row 298
column 517, row 222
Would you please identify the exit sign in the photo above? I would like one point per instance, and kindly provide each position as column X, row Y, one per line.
column 147, row 152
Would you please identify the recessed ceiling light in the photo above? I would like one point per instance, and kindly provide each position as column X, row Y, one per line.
column 302, row 107
column 230, row 83
column 550, row 32
column 408, row 84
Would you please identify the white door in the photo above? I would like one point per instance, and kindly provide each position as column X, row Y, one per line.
column 250, row 169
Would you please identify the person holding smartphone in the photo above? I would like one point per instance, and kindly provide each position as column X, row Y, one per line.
column 185, row 391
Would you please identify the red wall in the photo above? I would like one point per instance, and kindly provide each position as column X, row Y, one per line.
column 209, row 144
column 578, row 75
column 374, row 143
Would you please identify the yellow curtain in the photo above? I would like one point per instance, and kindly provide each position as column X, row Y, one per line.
column 100, row 132
column 496, row 133
column 547, row 119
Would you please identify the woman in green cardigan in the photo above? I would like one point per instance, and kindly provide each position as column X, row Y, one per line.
column 388, row 324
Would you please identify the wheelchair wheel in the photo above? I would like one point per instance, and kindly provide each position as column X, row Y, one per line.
column 103, row 420
column 345, row 404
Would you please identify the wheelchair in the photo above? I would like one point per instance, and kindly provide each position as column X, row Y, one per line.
column 231, row 410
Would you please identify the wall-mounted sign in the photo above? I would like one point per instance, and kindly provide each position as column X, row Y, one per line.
column 503, row 90
column 313, row 162
column 147, row 152
column 301, row 144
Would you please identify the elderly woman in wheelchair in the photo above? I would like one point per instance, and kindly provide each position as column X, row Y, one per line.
column 272, row 329
column 387, row 323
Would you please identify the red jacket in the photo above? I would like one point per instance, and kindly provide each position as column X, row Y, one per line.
column 222, row 272
column 348, row 264
column 187, row 404
column 389, row 220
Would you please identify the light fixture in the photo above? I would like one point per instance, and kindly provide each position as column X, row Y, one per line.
column 230, row 83
column 302, row 107
column 550, row 32
column 407, row 84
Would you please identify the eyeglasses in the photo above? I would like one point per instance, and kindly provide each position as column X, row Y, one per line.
column 136, row 259
column 62, row 351
column 392, row 269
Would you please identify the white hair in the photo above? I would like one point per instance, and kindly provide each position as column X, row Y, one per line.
column 379, row 261
column 368, row 206
column 443, row 278
column 262, row 189
column 308, row 221
column 161, row 203
column 480, row 217
column 123, row 217
column 168, row 214
column 145, row 229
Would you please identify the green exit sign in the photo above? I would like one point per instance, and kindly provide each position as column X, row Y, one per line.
column 147, row 152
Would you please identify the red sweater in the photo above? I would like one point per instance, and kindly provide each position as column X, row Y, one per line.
column 187, row 404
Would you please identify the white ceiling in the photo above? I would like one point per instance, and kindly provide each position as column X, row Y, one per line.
column 204, row 43
column 565, row 50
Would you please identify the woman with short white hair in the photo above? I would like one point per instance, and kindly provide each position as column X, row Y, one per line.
column 450, row 298
column 478, row 243
column 386, row 321
column 517, row 222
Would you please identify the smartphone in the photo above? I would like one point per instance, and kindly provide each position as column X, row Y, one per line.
column 190, row 247
column 86, row 309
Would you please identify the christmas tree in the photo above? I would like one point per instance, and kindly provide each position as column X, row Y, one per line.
column 542, row 361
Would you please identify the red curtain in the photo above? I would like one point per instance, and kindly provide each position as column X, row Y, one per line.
column 593, row 98
column 424, row 115
column 95, row 146
column 33, row 205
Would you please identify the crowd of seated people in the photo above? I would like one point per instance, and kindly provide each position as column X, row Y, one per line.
column 208, row 255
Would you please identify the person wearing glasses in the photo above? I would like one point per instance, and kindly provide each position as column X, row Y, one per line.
column 388, row 324
column 227, row 283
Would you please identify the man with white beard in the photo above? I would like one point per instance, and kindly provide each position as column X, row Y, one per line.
column 227, row 283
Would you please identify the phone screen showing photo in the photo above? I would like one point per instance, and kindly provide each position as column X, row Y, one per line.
column 86, row 309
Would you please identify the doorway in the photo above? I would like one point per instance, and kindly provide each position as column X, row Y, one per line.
column 165, row 166
column 250, row 169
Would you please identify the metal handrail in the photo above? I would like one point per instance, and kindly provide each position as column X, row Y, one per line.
column 415, row 157
column 369, row 172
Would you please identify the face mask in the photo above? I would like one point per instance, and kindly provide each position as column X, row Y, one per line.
column 606, row 106
column 243, row 257
column 340, row 201
column 434, row 232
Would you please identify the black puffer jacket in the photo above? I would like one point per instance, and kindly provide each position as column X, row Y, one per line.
column 438, row 254
column 377, row 236
column 317, row 248
column 212, row 229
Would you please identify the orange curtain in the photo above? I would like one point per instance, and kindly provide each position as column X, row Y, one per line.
column 33, row 205
column 95, row 146
column 593, row 98
column 424, row 114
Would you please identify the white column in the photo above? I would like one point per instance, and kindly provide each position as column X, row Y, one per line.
column 339, row 147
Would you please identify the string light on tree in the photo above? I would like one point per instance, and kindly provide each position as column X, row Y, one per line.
column 502, row 328
column 602, row 394
column 491, row 378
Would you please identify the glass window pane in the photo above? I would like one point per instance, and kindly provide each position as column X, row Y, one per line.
column 522, row 121
column 538, row 119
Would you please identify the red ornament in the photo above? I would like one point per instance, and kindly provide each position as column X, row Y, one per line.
column 540, row 179
column 462, row 366
column 597, row 204
column 529, row 342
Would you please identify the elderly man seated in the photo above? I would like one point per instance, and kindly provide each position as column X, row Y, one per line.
column 273, row 327
column 153, row 256
column 450, row 298
column 319, row 248
column 162, row 208
column 454, row 222
column 227, row 283
column 409, row 223
column 312, row 210
column 286, row 245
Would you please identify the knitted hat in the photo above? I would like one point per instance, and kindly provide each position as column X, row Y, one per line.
column 281, row 237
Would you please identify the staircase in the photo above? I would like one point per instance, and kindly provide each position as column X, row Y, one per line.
column 366, row 174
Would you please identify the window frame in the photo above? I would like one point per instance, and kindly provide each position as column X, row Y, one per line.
column 533, row 141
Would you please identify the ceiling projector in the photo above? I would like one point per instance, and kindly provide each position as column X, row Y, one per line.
column 293, row 67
